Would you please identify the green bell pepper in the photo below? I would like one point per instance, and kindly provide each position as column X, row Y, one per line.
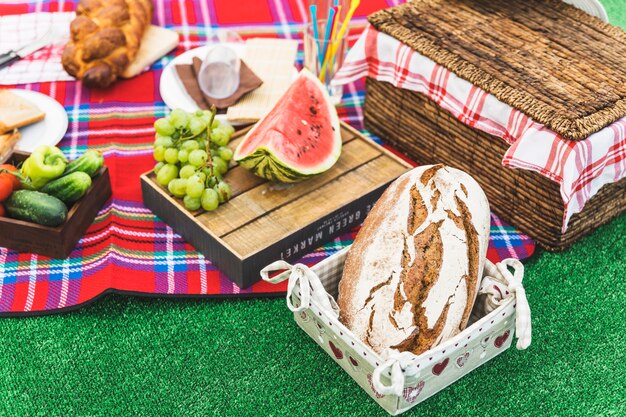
column 45, row 164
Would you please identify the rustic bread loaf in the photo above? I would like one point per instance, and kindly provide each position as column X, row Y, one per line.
column 105, row 38
column 412, row 274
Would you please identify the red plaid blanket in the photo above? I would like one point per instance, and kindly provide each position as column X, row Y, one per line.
column 127, row 248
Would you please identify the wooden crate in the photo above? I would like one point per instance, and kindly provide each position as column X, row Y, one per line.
column 56, row 242
column 264, row 221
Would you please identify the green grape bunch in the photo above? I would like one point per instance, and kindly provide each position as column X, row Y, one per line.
column 192, row 157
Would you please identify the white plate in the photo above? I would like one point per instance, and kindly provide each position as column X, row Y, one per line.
column 171, row 88
column 50, row 130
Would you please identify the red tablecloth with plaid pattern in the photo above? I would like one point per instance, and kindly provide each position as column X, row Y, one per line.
column 127, row 248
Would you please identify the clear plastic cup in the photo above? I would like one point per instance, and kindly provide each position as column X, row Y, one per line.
column 313, row 58
column 219, row 74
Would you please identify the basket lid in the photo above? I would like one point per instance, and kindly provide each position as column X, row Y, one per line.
column 556, row 63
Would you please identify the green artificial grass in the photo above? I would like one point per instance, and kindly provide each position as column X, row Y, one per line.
column 132, row 356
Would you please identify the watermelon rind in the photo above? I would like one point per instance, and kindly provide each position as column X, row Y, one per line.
column 265, row 162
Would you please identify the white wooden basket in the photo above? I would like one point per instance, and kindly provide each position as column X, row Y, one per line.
column 398, row 382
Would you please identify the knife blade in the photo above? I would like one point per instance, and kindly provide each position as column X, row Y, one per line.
column 14, row 55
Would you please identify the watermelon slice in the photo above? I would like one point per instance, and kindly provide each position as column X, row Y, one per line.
column 298, row 138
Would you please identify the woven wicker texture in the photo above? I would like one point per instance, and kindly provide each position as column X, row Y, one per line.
column 561, row 66
column 420, row 128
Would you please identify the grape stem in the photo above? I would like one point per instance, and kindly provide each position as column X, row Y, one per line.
column 209, row 161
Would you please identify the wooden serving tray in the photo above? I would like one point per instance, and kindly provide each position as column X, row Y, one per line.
column 264, row 221
column 56, row 242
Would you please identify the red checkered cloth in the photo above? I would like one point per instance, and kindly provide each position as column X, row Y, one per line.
column 17, row 31
column 580, row 167
column 127, row 248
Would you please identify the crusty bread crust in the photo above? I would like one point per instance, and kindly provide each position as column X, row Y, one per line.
column 412, row 274
column 105, row 38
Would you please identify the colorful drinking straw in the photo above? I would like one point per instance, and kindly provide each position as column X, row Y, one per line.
column 329, row 20
column 333, row 40
column 316, row 34
column 333, row 50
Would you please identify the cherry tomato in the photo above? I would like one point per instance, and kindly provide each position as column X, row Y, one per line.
column 6, row 188
column 8, row 182
column 16, row 182
column 2, row 211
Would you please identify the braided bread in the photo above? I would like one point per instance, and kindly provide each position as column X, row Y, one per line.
column 105, row 38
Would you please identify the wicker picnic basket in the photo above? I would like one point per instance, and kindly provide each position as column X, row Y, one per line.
column 588, row 96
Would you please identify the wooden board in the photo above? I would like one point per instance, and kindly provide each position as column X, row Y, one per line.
column 265, row 221
column 56, row 242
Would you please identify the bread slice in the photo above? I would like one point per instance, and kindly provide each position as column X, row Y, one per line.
column 155, row 43
column 17, row 112
column 7, row 143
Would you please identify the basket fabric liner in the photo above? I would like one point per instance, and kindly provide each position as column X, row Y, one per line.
column 580, row 168
column 400, row 380
column 556, row 63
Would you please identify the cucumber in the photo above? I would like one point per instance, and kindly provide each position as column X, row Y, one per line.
column 90, row 163
column 68, row 188
column 36, row 207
